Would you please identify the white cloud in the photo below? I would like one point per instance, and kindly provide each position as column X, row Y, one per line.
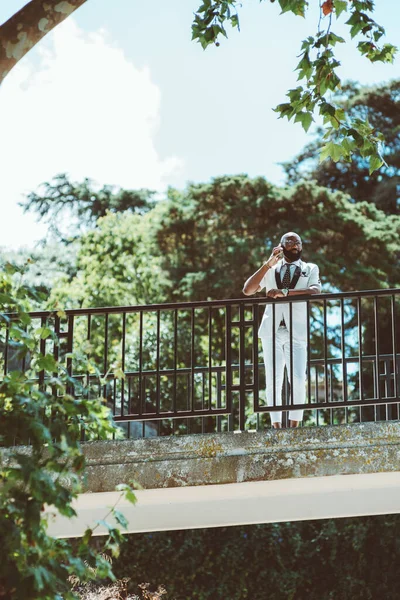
column 84, row 109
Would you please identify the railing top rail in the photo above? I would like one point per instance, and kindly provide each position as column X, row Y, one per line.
column 212, row 303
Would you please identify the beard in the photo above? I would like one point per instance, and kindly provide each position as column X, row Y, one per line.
column 291, row 255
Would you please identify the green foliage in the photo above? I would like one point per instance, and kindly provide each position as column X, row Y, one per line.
column 117, row 264
column 40, row 267
column 317, row 69
column 317, row 560
column 379, row 106
column 213, row 235
column 81, row 204
column 202, row 243
column 42, row 407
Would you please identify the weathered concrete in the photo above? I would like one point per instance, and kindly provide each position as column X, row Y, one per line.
column 194, row 460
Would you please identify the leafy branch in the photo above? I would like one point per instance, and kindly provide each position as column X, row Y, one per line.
column 317, row 70
column 43, row 410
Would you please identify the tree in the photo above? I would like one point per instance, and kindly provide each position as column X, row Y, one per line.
column 81, row 205
column 45, row 409
column 116, row 265
column 213, row 235
column 317, row 65
column 380, row 105
column 204, row 241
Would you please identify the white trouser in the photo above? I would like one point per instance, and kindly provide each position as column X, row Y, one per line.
column 282, row 358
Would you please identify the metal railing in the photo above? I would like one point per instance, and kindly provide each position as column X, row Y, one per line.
column 198, row 366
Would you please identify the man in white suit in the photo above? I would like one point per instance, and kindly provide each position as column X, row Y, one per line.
column 283, row 275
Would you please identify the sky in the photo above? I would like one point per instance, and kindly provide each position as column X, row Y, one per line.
column 120, row 94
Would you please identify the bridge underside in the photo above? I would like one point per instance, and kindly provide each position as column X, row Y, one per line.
column 233, row 479
column 240, row 504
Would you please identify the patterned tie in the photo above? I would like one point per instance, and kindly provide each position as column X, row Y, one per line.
column 285, row 284
column 286, row 278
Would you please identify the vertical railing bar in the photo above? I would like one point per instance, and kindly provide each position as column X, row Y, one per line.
column 114, row 388
column 209, row 358
column 325, row 352
column 203, row 386
column 256, row 393
column 219, row 400
column 192, row 362
column 123, row 363
column 70, row 344
column 387, row 377
column 7, row 341
column 158, row 364
column 56, row 341
column 175, row 360
column 88, row 337
column 394, row 344
column 376, row 323
column 273, row 355
column 291, row 354
column 141, row 377
column 130, row 381
column 105, row 365
column 343, row 347
column 360, row 365
column 374, row 376
column 228, row 359
column 285, row 414
column 144, row 395
column 42, row 345
column 309, row 354
column 242, row 374
column 188, row 390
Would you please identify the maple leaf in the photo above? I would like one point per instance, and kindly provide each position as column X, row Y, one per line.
column 327, row 7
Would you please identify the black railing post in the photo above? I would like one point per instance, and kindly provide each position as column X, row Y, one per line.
column 256, row 392
column 242, row 370
column 343, row 347
column 394, row 349
column 228, row 364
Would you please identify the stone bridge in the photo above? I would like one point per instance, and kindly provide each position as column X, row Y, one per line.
column 221, row 479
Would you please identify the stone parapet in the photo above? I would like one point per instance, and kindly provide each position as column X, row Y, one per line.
column 221, row 458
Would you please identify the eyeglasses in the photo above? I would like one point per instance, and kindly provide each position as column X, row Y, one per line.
column 291, row 243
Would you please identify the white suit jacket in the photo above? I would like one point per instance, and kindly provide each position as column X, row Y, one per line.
column 305, row 275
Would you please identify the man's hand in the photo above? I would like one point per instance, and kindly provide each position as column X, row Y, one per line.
column 275, row 256
column 275, row 294
column 252, row 285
